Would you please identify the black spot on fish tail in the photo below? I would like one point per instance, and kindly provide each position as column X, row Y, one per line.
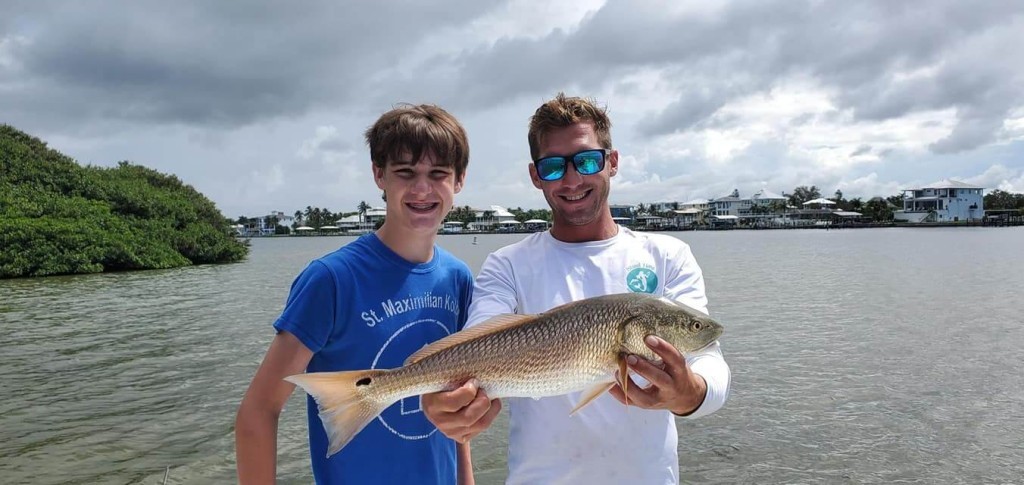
column 364, row 381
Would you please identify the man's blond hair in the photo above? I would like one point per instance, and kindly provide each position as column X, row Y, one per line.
column 565, row 111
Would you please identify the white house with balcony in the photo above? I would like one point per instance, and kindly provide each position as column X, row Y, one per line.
column 945, row 201
column 490, row 217
column 699, row 204
column 765, row 198
column 730, row 205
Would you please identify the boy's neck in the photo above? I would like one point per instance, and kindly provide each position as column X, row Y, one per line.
column 411, row 246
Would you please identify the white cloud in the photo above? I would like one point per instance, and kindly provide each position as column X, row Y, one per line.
column 1000, row 177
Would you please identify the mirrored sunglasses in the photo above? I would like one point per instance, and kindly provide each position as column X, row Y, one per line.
column 587, row 162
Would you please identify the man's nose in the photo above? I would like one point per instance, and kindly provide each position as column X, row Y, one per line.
column 572, row 177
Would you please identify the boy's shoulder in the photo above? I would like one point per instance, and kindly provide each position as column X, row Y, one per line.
column 357, row 252
column 446, row 259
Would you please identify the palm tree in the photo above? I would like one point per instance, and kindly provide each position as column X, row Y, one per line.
column 362, row 208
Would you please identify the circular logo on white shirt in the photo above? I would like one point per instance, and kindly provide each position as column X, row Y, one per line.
column 642, row 280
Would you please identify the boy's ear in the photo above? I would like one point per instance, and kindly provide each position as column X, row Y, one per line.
column 378, row 175
column 459, row 183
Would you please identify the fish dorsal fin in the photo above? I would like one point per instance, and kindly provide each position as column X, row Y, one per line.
column 489, row 326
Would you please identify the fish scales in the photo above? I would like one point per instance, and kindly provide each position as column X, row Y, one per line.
column 570, row 348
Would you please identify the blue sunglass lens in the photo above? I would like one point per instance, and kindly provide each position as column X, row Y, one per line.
column 589, row 163
column 551, row 168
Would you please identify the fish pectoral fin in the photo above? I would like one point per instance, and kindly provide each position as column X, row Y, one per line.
column 592, row 393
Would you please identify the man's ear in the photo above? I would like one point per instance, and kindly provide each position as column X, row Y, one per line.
column 534, row 177
column 613, row 163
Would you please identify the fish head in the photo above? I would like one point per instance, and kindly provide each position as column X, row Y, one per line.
column 687, row 329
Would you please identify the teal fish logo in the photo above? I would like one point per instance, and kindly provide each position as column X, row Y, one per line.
column 642, row 280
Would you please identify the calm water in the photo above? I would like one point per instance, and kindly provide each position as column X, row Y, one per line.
column 858, row 356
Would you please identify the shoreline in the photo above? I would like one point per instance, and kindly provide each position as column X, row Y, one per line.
column 829, row 226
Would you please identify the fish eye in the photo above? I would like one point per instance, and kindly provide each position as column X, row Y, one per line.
column 697, row 325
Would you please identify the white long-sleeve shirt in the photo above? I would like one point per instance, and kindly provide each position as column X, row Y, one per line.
column 605, row 442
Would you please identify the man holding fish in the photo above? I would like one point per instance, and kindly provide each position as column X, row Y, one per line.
column 586, row 255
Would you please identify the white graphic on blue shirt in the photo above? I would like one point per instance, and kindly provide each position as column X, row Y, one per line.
column 406, row 419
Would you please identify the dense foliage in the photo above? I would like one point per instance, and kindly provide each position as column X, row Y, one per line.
column 57, row 217
column 1000, row 199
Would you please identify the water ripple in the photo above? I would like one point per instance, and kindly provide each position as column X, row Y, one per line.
column 875, row 356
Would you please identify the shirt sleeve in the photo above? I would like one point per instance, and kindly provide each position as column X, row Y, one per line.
column 686, row 280
column 494, row 292
column 465, row 297
column 686, row 285
column 309, row 313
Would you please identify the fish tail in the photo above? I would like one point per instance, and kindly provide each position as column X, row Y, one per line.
column 347, row 402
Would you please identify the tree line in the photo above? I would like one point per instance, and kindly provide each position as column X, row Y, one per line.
column 878, row 209
column 58, row 217
column 317, row 217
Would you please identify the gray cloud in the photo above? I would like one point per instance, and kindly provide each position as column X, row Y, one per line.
column 860, row 50
column 861, row 150
column 209, row 63
column 227, row 94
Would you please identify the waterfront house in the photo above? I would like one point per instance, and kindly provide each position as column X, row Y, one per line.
column 702, row 205
column 375, row 214
column 451, row 227
column 265, row 225
column 487, row 219
column 663, row 207
column 688, row 217
column 362, row 223
column 355, row 224
column 944, row 201
column 766, row 198
column 730, row 205
column 622, row 214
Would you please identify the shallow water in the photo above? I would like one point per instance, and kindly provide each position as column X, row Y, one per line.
column 858, row 356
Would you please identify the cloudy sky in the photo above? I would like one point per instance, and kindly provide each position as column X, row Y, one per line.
column 262, row 105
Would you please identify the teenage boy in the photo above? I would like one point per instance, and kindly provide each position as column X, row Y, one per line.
column 371, row 304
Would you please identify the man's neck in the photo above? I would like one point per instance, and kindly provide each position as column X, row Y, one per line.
column 598, row 230
column 410, row 246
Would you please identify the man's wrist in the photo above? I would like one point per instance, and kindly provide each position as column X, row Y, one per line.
column 692, row 408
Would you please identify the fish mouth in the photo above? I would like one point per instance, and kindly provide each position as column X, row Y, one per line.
column 704, row 347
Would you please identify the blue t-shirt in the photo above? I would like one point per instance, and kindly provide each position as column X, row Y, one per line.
column 364, row 307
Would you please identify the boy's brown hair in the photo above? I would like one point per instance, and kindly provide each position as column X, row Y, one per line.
column 565, row 111
column 414, row 129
